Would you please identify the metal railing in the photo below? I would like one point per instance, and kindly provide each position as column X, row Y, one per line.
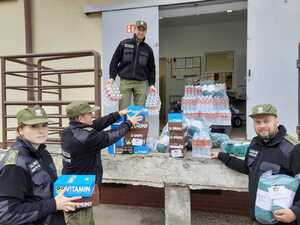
column 46, row 80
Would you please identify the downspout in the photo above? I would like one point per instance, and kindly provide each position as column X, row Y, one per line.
column 298, row 65
column 29, row 45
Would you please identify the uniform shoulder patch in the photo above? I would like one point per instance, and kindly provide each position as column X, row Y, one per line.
column 81, row 134
column 88, row 129
column 291, row 139
column 126, row 45
column 9, row 157
column 2, row 154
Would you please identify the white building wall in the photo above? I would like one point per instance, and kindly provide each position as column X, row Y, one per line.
column 273, row 37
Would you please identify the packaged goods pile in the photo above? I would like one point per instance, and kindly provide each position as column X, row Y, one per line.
column 207, row 101
column 274, row 192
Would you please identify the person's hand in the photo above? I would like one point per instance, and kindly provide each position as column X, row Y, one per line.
column 110, row 81
column 123, row 112
column 134, row 119
column 152, row 88
column 66, row 204
column 214, row 155
column 285, row 215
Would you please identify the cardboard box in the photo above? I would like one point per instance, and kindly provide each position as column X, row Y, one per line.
column 144, row 126
column 175, row 122
column 137, row 110
column 143, row 149
column 137, row 136
column 140, row 128
column 135, row 141
column 175, row 117
column 177, row 146
column 140, row 131
column 76, row 185
column 112, row 149
column 179, row 132
column 177, row 137
column 177, row 153
column 125, row 150
column 177, row 150
column 175, row 126
column 183, row 141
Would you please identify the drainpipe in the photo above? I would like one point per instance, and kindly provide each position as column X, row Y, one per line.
column 298, row 65
column 29, row 45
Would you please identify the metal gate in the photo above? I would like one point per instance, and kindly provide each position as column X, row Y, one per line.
column 45, row 80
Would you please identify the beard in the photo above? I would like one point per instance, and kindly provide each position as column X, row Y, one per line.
column 269, row 136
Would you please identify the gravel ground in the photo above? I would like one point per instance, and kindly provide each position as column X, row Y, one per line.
column 128, row 215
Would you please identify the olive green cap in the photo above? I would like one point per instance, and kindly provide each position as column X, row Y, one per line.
column 77, row 108
column 141, row 23
column 264, row 109
column 31, row 116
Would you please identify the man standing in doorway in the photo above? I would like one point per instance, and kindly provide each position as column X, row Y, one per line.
column 134, row 62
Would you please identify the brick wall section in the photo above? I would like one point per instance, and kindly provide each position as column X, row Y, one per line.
column 228, row 202
column 132, row 195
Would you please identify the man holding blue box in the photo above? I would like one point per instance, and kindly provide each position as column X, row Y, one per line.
column 81, row 143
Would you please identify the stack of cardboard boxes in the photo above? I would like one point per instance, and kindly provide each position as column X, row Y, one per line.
column 178, row 135
column 135, row 139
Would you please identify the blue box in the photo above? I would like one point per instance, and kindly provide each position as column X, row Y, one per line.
column 175, row 117
column 137, row 110
column 143, row 149
column 111, row 149
column 75, row 185
column 120, row 143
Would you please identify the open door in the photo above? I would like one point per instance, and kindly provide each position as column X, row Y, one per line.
column 273, row 35
column 162, row 90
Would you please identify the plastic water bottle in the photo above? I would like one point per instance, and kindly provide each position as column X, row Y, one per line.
column 112, row 94
column 196, row 153
column 183, row 104
column 194, row 107
column 198, row 90
column 153, row 103
column 189, row 107
column 188, row 90
column 201, row 145
column 198, row 105
column 206, row 145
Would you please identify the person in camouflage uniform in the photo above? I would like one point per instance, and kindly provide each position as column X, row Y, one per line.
column 272, row 149
column 27, row 173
